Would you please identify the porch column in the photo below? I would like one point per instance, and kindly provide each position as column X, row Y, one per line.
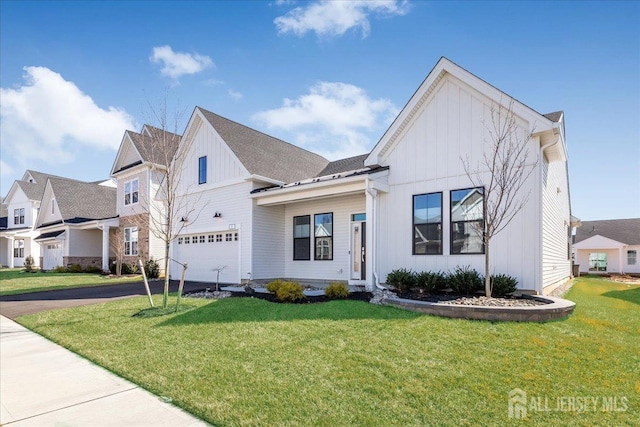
column 105, row 248
column 620, row 264
column 10, row 251
column 371, row 196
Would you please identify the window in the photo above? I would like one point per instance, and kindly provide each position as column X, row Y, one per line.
column 302, row 238
column 187, row 240
column 18, row 216
column 467, row 222
column 235, row 237
column 53, row 246
column 131, row 241
column 427, row 224
column 597, row 261
column 323, row 233
column 359, row 217
column 201, row 239
column 131, row 192
column 18, row 248
column 179, row 240
column 202, row 170
column 228, row 237
column 218, row 237
column 632, row 257
column 211, row 237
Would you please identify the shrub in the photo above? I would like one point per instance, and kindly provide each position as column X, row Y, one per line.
column 60, row 269
column 275, row 285
column 28, row 264
column 431, row 281
column 465, row 281
column 290, row 292
column 336, row 290
column 402, row 279
column 75, row 268
column 93, row 269
column 503, row 284
column 129, row 268
column 152, row 269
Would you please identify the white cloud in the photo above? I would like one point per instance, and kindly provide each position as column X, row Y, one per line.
column 177, row 64
column 237, row 96
column 5, row 169
column 49, row 118
column 334, row 18
column 336, row 120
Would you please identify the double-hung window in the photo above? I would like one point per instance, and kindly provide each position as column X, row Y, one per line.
column 131, row 241
column 302, row 238
column 323, row 234
column 427, row 224
column 467, row 221
column 18, row 216
column 632, row 257
column 202, row 170
column 18, row 248
column 131, row 192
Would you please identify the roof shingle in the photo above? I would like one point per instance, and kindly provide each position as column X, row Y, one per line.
column 625, row 231
column 344, row 165
column 83, row 201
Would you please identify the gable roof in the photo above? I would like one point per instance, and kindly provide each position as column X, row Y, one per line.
column 625, row 231
column 555, row 116
column 148, row 141
column 265, row 155
column 80, row 201
column 344, row 165
column 34, row 190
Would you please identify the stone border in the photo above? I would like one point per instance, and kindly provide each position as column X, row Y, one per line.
column 553, row 309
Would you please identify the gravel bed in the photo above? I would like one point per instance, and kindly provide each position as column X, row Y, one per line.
column 209, row 294
column 493, row 302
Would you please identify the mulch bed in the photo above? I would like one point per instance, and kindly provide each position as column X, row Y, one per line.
column 355, row 296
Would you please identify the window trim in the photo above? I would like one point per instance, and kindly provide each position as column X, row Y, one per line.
column 413, row 224
column 315, row 238
column 202, row 170
column 308, row 238
column 451, row 221
column 635, row 256
column 131, row 192
column 129, row 249
column 18, row 248
column 19, row 215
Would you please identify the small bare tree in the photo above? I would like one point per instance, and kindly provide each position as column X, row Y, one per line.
column 170, row 207
column 116, row 242
column 503, row 171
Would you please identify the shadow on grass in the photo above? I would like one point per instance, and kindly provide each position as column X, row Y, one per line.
column 630, row 295
column 231, row 310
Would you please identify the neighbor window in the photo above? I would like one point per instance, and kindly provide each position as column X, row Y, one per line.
column 202, row 170
column 131, row 192
column 18, row 216
column 131, row 241
column 427, row 224
column 467, row 222
column 632, row 257
column 302, row 238
column 18, row 248
column 598, row 261
column 323, row 234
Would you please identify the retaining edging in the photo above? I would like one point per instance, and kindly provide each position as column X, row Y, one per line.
column 553, row 309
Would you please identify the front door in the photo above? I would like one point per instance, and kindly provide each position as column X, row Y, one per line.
column 358, row 241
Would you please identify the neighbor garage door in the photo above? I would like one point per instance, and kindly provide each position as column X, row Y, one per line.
column 206, row 252
column 51, row 256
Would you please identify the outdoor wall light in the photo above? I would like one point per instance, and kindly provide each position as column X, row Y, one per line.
column 217, row 215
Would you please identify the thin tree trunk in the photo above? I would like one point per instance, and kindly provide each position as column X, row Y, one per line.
column 487, row 275
column 165, row 294
column 181, row 286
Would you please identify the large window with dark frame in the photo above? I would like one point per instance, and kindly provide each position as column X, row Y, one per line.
column 323, row 236
column 302, row 238
column 467, row 221
column 427, row 224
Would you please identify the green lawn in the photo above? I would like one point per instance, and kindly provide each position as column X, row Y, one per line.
column 17, row 281
column 250, row 362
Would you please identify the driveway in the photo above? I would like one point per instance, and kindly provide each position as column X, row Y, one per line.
column 12, row 306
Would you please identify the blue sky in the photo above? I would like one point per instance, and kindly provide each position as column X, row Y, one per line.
column 327, row 76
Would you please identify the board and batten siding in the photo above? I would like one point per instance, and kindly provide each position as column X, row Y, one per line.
column 556, row 262
column 339, row 268
column 449, row 127
column 269, row 242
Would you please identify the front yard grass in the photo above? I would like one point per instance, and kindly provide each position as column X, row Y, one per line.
column 251, row 362
column 17, row 281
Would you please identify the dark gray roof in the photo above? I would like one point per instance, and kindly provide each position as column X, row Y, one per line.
column 35, row 190
column 344, row 165
column 83, row 201
column 157, row 148
column 625, row 231
column 555, row 116
column 45, row 236
column 265, row 155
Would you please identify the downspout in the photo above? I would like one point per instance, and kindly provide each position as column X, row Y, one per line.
column 544, row 147
column 374, row 238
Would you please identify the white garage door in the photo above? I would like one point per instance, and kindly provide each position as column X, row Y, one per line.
column 206, row 252
column 51, row 256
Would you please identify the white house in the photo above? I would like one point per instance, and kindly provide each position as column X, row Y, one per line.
column 608, row 246
column 262, row 208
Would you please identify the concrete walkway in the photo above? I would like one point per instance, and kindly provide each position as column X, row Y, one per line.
column 43, row 384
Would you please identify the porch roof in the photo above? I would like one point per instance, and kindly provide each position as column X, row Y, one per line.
column 47, row 236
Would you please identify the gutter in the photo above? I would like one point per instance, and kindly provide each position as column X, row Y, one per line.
column 374, row 238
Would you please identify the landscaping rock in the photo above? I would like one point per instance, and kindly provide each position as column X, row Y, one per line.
column 207, row 293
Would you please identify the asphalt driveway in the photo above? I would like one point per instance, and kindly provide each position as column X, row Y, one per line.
column 12, row 306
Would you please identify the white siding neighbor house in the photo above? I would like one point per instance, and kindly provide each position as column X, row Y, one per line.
column 608, row 246
column 260, row 208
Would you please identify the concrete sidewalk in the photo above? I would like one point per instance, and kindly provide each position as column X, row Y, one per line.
column 43, row 384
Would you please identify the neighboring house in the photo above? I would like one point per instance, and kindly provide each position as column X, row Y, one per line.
column 139, row 168
column 608, row 246
column 74, row 223
column 266, row 209
column 22, row 203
